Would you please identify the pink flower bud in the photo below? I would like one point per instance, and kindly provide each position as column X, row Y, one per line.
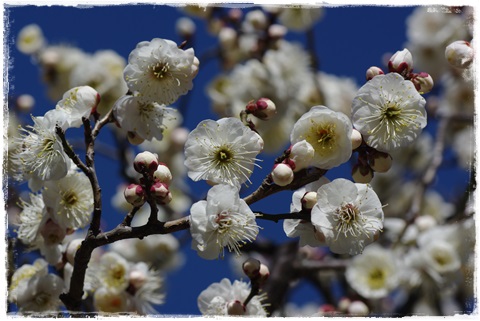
column 380, row 162
column 159, row 190
column 373, row 71
column 362, row 174
column 301, row 154
column 25, row 103
column 251, row 106
column 263, row 274
column 423, row 82
column 266, row 109
column 162, row 174
column 145, row 162
column 251, row 267
column 72, row 249
column 356, row 139
column 236, row 308
column 135, row 195
column 459, row 54
column 309, row 200
column 52, row 233
column 401, row 62
column 134, row 139
column 282, row 174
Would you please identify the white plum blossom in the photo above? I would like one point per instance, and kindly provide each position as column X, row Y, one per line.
column 215, row 299
column 146, row 285
column 329, row 134
column 113, row 272
column 30, row 39
column 300, row 17
column 41, row 156
column 32, row 217
column 349, row 215
column 223, row 220
column 146, row 119
column 305, row 230
column 78, row 102
column 70, row 200
column 374, row 273
column 159, row 71
column 389, row 112
column 108, row 301
column 222, row 151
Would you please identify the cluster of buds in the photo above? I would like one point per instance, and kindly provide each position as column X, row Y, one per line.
column 263, row 108
column 370, row 161
column 402, row 63
column 297, row 157
column 155, row 181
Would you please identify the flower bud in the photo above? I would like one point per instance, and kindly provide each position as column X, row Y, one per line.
column 236, row 308
column 145, row 162
column 72, row 249
column 356, row 139
column 372, row 72
column 135, row 195
column 327, row 310
column 185, row 27
column 266, row 109
column 425, row 222
column 301, row 154
column 263, row 274
column 227, row 37
column 251, row 267
column 401, row 62
column 380, row 162
column 459, row 54
column 134, row 139
column 52, row 233
column 362, row 174
column 277, row 31
column 343, row 304
column 162, row 174
column 194, row 67
column 282, row 174
column 159, row 190
column 25, row 103
column 309, row 200
column 257, row 19
column 423, row 82
column 358, row 308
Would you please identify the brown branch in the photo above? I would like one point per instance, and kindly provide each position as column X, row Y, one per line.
column 268, row 188
column 277, row 217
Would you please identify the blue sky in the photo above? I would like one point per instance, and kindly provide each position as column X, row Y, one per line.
column 348, row 41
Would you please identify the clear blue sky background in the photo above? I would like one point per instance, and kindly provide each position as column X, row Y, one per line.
column 349, row 40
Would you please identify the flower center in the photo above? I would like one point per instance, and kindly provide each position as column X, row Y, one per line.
column 116, row 275
column 224, row 222
column 376, row 278
column 349, row 220
column 160, row 69
column 47, row 146
column 392, row 112
column 42, row 299
column 69, row 198
column 322, row 137
column 223, row 155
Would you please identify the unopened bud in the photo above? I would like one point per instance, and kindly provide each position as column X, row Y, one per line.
column 380, row 162
column 145, row 162
column 52, row 233
column 423, row 82
column 401, row 62
column 25, row 103
column 266, row 109
column 277, row 31
column 159, row 190
column 227, row 37
column 162, row 174
column 358, row 308
column 362, row 174
column 459, row 54
column 327, row 310
column 263, row 274
column 251, row 267
column 235, row 308
column 343, row 304
column 372, row 72
column 356, row 139
column 282, row 174
column 72, row 249
column 425, row 222
column 185, row 27
column 134, row 139
column 194, row 67
column 309, row 200
column 301, row 154
column 257, row 19
column 135, row 195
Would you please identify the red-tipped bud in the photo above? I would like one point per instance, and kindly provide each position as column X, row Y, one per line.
column 263, row 274
column 459, row 54
column 401, row 62
column 380, row 162
column 162, row 174
column 309, row 200
column 265, row 110
column 372, row 72
column 301, row 154
column 251, row 106
column 282, row 174
column 135, row 195
column 236, row 308
column 251, row 267
column 423, row 82
column 161, row 193
column 134, row 139
column 145, row 162
column 362, row 174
